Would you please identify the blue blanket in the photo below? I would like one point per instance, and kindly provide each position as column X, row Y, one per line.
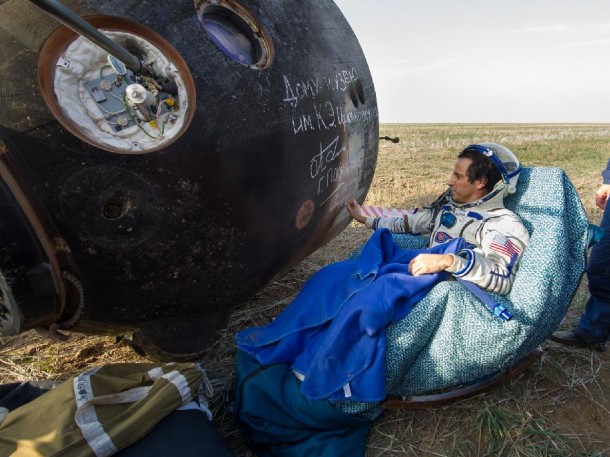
column 333, row 333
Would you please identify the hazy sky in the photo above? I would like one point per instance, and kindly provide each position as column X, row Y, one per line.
column 486, row 61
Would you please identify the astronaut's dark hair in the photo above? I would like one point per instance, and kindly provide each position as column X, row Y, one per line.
column 481, row 168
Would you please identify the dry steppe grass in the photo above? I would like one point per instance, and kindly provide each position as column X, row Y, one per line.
column 559, row 407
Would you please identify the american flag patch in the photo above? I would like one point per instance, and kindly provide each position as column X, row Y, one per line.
column 504, row 246
column 380, row 211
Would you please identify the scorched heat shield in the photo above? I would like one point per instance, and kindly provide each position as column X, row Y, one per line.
column 152, row 199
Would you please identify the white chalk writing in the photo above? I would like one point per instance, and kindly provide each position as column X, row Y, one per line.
column 296, row 91
column 327, row 155
column 325, row 116
column 320, row 104
column 344, row 191
column 341, row 79
column 333, row 193
column 333, row 175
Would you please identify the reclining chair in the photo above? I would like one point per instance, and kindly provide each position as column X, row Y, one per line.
column 451, row 343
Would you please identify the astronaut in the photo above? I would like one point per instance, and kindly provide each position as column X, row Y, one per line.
column 472, row 208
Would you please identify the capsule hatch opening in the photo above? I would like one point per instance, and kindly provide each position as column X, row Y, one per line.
column 108, row 105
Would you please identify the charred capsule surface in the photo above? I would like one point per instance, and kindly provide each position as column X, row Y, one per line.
column 180, row 190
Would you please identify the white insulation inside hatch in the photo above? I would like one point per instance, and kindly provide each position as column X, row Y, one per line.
column 82, row 62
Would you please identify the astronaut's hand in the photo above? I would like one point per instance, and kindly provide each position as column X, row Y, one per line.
column 354, row 209
column 429, row 263
column 601, row 196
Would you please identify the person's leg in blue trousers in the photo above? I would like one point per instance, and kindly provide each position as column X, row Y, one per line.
column 594, row 325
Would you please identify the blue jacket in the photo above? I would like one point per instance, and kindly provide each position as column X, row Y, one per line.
column 333, row 333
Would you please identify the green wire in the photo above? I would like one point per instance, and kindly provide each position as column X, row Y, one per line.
column 136, row 122
column 102, row 71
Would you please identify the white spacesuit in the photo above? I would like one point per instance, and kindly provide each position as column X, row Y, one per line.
column 495, row 235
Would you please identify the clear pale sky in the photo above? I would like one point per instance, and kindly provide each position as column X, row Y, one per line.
column 486, row 61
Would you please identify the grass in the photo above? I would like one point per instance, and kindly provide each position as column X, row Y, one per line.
column 559, row 407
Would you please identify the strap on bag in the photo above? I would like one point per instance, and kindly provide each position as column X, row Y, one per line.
column 86, row 417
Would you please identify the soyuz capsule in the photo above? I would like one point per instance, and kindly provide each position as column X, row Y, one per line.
column 149, row 192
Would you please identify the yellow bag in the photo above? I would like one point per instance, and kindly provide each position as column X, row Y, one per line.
column 99, row 412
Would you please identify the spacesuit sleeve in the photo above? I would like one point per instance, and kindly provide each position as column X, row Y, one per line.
column 416, row 223
column 493, row 266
